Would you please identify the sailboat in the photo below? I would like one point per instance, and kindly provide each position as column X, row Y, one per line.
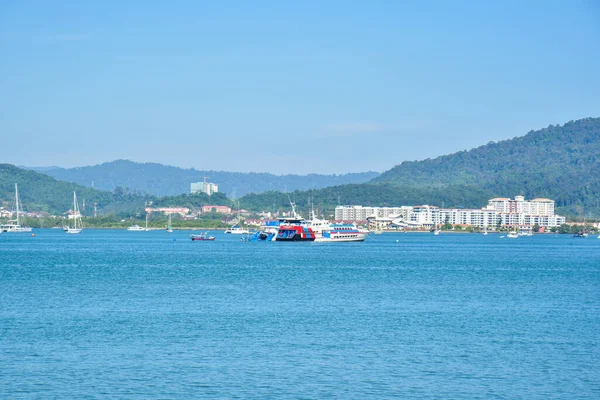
column 436, row 231
column 13, row 226
column 77, row 223
column 169, row 229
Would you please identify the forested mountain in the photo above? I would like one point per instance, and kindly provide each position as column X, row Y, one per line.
column 39, row 192
column 165, row 180
column 558, row 162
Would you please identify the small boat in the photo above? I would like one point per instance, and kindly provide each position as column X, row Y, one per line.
column 135, row 228
column 512, row 235
column 237, row 230
column 581, row 234
column 201, row 236
column 77, row 224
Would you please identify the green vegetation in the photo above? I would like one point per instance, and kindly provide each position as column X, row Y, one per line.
column 165, row 180
column 43, row 193
column 558, row 162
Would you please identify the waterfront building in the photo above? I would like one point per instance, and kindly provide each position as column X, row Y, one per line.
column 499, row 212
column 218, row 209
column 169, row 210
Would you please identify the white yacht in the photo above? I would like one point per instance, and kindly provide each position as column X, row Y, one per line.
column 237, row 230
column 14, row 226
column 77, row 223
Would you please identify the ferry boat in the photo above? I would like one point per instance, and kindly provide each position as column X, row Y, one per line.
column 342, row 233
column 201, row 236
column 295, row 233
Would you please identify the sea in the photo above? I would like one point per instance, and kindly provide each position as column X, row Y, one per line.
column 112, row 314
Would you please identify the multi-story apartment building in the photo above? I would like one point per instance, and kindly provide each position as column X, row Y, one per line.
column 499, row 211
column 360, row 213
column 538, row 206
column 204, row 187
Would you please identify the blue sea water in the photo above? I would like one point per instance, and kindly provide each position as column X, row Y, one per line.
column 116, row 314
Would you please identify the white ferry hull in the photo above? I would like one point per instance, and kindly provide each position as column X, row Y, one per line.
column 342, row 238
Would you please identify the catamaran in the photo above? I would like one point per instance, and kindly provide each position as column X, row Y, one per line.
column 77, row 223
column 14, row 226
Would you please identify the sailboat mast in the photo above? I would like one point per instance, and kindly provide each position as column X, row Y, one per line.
column 17, row 202
column 75, row 208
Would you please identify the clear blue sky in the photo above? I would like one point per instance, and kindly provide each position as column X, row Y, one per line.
column 287, row 87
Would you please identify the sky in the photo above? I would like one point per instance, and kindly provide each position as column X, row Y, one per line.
column 287, row 87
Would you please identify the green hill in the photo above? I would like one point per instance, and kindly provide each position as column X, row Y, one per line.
column 39, row 192
column 165, row 180
column 558, row 162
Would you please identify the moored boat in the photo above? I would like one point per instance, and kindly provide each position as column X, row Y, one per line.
column 201, row 237
column 14, row 226
column 237, row 230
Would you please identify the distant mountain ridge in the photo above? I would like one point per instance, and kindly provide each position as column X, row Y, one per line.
column 164, row 180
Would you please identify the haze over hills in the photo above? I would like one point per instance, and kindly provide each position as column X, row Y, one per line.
column 165, row 180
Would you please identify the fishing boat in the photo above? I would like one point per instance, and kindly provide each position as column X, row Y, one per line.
column 201, row 236
column 342, row 233
column 14, row 226
column 77, row 222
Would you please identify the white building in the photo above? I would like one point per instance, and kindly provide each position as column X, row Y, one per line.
column 499, row 211
column 360, row 213
column 538, row 206
column 204, row 187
